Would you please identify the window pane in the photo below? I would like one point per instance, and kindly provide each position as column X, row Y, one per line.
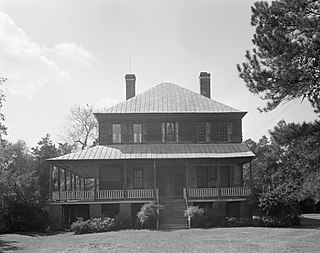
column 170, row 131
column 116, row 133
column 137, row 133
column 201, row 132
column 223, row 131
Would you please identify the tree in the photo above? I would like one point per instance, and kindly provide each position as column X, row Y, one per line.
column 80, row 128
column 3, row 129
column 45, row 150
column 285, row 63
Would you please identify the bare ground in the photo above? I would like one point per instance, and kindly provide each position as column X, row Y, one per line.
column 249, row 239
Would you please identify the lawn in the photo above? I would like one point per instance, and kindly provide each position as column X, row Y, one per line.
column 250, row 239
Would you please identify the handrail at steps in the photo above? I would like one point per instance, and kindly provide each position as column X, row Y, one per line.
column 185, row 196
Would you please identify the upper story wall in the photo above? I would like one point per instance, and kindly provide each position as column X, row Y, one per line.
column 126, row 129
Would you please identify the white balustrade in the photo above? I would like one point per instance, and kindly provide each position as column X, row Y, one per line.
column 235, row 191
column 73, row 195
column 203, row 192
column 110, row 194
column 214, row 192
column 140, row 194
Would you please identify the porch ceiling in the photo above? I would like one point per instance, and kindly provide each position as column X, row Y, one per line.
column 158, row 151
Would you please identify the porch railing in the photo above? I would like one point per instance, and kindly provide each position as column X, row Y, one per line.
column 103, row 195
column 214, row 192
column 73, row 195
column 140, row 194
column 203, row 192
column 110, row 194
column 235, row 191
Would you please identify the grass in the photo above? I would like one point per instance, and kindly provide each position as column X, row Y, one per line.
column 250, row 239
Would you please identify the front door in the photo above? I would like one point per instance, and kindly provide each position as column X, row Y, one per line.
column 170, row 181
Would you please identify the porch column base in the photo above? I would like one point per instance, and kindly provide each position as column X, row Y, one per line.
column 56, row 217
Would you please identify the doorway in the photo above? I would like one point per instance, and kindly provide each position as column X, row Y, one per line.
column 170, row 181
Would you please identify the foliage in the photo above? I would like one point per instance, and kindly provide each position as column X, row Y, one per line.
column 45, row 150
column 279, row 206
column 200, row 217
column 95, row 225
column 81, row 127
column 148, row 215
column 3, row 128
column 192, row 211
column 20, row 214
column 285, row 63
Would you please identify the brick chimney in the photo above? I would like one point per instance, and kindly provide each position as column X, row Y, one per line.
column 130, row 85
column 205, row 84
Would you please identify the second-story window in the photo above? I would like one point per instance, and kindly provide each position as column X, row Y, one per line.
column 203, row 132
column 226, row 131
column 170, row 132
column 116, row 133
column 137, row 133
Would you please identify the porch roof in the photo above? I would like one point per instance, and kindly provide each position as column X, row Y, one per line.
column 158, row 151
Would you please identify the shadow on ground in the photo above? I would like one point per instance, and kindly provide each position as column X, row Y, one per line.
column 310, row 220
column 8, row 246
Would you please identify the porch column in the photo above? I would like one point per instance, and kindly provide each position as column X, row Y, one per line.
column 59, row 180
column 187, row 175
column 155, row 180
column 84, row 184
column 95, row 183
column 251, row 183
column 79, row 179
column 75, row 182
column 219, row 180
column 125, row 185
column 71, row 186
column 65, row 180
column 50, row 183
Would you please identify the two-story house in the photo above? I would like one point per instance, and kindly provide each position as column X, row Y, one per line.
column 169, row 145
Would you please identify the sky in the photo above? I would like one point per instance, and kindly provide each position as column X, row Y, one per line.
column 58, row 53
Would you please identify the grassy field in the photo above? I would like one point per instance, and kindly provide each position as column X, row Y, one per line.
column 250, row 239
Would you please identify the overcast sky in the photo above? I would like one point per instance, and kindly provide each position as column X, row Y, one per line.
column 57, row 53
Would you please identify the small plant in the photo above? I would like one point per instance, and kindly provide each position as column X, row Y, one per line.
column 192, row 213
column 148, row 215
column 95, row 225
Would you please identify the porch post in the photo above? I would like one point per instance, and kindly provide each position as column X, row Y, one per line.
column 154, row 179
column 59, row 180
column 71, row 186
column 95, row 183
column 65, row 179
column 50, row 183
column 75, row 182
column 187, row 175
column 219, row 180
column 84, row 184
column 251, row 183
column 125, row 186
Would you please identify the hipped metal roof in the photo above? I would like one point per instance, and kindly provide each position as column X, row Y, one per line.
column 158, row 151
column 170, row 98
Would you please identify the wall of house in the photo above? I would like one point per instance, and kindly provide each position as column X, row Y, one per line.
column 152, row 128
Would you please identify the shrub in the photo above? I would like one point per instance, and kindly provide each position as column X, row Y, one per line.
column 95, row 225
column 148, row 215
column 23, row 215
column 279, row 207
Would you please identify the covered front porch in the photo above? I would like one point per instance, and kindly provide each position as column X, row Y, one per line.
column 131, row 181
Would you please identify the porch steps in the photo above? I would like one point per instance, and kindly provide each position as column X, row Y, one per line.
column 172, row 214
